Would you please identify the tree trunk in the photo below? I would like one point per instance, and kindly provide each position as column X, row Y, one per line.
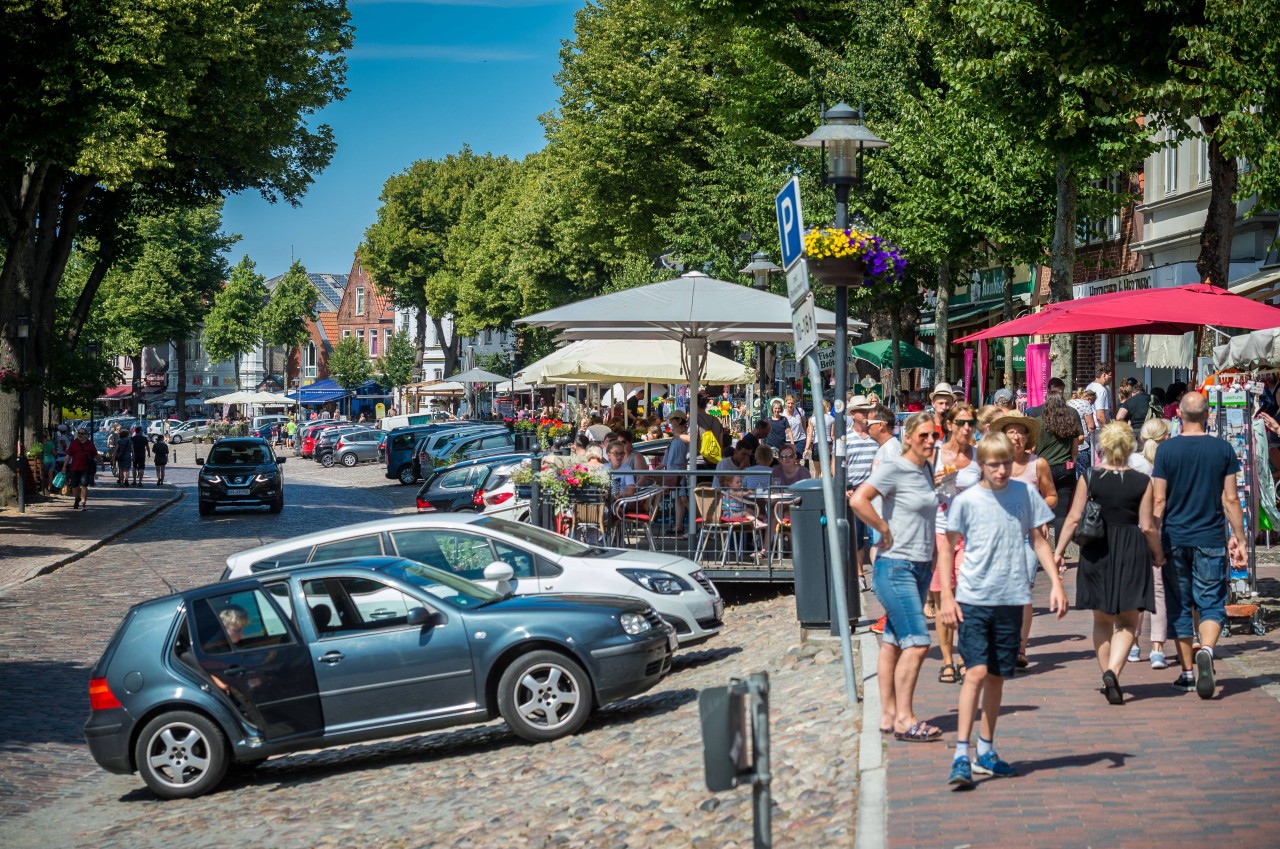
column 420, row 328
column 450, row 349
column 1062, row 265
column 1214, row 262
column 180, row 394
column 137, row 384
column 235, row 364
column 940, row 321
column 1009, row 376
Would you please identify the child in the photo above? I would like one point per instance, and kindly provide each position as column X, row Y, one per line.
column 993, row 519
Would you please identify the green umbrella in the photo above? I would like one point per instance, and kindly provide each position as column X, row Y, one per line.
column 880, row 354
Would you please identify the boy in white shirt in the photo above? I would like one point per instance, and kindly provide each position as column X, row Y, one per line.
column 994, row 519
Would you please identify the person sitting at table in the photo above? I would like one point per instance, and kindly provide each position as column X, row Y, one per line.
column 759, row 475
column 734, row 462
column 789, row 470
column 736, row 503
column 593, row 456
column 622, row 483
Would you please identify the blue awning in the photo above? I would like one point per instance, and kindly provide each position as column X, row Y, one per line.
column 324, row 391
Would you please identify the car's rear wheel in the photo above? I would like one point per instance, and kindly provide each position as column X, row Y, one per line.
column 206, row 509
column 350, row 460
column 544, row 695
column 327, row 460
column 406, row 475
column 175, row 439
column 181, row 755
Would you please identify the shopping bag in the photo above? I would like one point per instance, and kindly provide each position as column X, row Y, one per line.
column 59, row 480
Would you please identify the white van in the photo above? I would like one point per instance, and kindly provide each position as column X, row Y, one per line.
column 265, row 421
column 390, row 423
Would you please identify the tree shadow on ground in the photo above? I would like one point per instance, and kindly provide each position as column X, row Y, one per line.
column 1084, row 759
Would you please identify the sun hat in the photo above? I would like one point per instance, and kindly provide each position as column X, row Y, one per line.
column 1013, row 417
column 943, row 388
column 859, row 402
column 678, row 414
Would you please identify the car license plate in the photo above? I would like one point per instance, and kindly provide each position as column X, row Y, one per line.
column 672, row 642
column 717, row 608
column 243, row 491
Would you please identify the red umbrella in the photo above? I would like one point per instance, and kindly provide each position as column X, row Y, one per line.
column 1146, row 311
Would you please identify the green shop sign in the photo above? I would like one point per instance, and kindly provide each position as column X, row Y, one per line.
column 996, row 347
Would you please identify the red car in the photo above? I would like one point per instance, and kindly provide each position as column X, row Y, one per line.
column 308, row 434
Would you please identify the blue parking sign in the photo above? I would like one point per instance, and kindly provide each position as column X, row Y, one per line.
column 790, row 223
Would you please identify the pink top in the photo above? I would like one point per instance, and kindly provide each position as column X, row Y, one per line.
column 1029, row 476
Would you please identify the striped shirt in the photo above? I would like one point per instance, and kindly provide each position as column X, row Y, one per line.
column 860, row 452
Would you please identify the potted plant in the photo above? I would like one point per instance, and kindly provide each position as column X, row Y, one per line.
column 852, row 257
column 563, row 485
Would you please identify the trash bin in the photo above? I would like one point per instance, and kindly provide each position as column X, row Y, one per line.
column 815, row 598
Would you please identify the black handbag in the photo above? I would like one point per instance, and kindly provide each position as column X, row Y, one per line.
column 1092, row 527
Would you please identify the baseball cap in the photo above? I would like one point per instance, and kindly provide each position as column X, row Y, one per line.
column 62, row 428
column 1002, row 395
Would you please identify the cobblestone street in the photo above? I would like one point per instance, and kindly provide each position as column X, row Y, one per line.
column 633, row 777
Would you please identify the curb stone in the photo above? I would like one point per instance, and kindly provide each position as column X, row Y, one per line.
column 146, row 515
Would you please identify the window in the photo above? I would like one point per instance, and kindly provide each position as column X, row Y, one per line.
column 373, row 343
column 439, row 374
column 346, row 333
column 502, row 440
column 360, row 336
column 213, row 380
column 196, row 380
column 457, row 479
column 366, row 546
column 389, row 333
column 344, row 606
column 1204, row 161
column 521, row 562
column 360, row 300
column 1124, row 348
column 240, row 621
column 309, row 367
column 461, row 554
column 1171, row 166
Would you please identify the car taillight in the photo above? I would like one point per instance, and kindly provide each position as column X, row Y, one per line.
column 338, row 447
column 477, row 498
column 100, row 695
column 424, row 506
column 498, row 497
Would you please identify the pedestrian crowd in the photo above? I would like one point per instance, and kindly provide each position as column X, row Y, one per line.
column 972, row 506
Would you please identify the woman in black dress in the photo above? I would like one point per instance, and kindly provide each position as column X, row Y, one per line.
column 1114, row 576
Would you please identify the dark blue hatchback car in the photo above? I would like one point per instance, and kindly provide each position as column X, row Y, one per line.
column 344, row 651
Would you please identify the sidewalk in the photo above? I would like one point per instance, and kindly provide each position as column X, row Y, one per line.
column 1163, row 769
column 50, row 534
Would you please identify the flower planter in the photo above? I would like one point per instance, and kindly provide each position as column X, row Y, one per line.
column 585, row 494
column 524, row 491
column 526, row 441
column 837, row 271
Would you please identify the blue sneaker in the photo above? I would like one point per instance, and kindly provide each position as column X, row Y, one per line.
column 990, row 764
column 961, row 774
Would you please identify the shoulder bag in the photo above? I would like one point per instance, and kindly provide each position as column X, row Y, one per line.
column 1091, row 527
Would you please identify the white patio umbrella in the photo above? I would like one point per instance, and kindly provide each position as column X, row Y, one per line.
column 246, row 396
column 693, row 309
column 633, row 361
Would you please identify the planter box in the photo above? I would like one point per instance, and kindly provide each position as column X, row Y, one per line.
column 841, row 271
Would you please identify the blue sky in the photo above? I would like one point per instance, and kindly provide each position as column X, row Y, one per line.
column 425, row 79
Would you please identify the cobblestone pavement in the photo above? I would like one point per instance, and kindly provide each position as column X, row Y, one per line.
column 632, row 778
column 1164, row 769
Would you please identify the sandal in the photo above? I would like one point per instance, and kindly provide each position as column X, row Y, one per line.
column 961, row 669
column 929, row 612
column 948, row 674
column 921, row 732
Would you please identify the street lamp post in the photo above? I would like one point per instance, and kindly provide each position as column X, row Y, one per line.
column 24, row 333
column 760, row 268
column 842, row 137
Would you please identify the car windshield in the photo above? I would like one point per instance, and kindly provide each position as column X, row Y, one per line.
column 553, row 543
column 238, row 455
column 450, row 588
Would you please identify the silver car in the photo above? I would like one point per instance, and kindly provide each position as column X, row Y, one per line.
column 192, row 430
column 360, row 446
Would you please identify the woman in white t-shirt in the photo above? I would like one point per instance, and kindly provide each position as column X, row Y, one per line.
column 1083, row 403
column 902, row 571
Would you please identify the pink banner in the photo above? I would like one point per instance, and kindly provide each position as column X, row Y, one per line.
column 968, row 371
column 983, row 361
column 1037, row 373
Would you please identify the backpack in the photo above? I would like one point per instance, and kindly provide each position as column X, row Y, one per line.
column 1155, row 411
column 709, row 447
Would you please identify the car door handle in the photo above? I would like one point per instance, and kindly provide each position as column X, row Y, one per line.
column 331, row 657
column 234, row 671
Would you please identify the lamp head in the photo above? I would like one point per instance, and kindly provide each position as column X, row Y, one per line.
column 759, row 268
column 842, row 135
column 24, row 326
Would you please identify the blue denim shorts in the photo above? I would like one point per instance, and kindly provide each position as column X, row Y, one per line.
column 1196, row 578
column 901, row 586
column 990, row 637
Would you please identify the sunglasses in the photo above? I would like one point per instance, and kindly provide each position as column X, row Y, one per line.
column 963, row 422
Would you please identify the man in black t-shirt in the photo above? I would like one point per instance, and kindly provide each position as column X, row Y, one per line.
column 1135, row 410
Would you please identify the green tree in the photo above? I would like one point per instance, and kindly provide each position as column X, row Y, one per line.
column 395, row 366
column 111, row 107
column 233, row 326
column 292, row 306
column 349, row 364
column 405, row 250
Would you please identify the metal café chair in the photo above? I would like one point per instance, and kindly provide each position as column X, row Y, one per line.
column 635, row 513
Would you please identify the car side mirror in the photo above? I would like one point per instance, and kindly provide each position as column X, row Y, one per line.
column 501, row 574
column 425, row 618
column 281, row 460
column 199, row 461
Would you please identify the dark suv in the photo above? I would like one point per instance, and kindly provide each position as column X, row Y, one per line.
column 335, row 653
column 241, row 473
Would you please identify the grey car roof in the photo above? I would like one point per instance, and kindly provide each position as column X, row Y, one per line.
column 400, row 522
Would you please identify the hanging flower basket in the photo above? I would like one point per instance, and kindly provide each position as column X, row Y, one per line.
column 842, row 271
column 852, row 257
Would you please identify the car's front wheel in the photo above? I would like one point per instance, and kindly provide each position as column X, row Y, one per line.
column 206, row 509
column 175, row 439
column 349, row 460
column 406, row 475
column 277, row 505
column 544, row 695
column 181, row 755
